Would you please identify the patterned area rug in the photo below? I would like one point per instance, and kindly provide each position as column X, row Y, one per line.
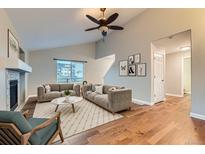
column 87, row 115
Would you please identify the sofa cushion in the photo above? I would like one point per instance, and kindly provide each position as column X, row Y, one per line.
column 21, row 123
column 48, row 88
column 107, row 87
column 66, row 87
column 88, row 92
column 55, row 87
column 93, row 87
column 99, row 89
column 92, row 95
column 46, row 133
column 102, row 100
column 52, row 95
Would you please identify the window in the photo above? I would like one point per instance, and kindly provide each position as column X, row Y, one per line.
column 69, row 71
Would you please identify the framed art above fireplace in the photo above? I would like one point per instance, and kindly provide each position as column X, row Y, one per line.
column 13, row 44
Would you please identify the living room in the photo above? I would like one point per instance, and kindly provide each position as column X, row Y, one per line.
column 96, row 83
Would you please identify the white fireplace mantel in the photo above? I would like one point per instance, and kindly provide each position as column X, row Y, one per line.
column 18, row 65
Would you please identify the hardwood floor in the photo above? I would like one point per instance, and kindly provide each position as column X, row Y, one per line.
column 163, row 123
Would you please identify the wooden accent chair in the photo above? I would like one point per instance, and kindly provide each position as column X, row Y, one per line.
column 16, row 128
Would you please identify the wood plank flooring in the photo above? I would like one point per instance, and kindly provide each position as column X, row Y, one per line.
column 163, row 123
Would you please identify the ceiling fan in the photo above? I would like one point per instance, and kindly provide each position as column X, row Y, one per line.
column 103, row 23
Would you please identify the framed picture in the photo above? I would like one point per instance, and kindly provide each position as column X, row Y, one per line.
column 13, row 45
column 141, row 70
column 137, row 58
column 132, row 70
column 131, row 60
column 123, row 68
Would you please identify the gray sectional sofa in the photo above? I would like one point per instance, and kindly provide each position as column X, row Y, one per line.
column 56, row 90
column 111, row 100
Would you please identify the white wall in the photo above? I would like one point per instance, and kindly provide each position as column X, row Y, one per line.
column 151, row 25
column 174, row 74
column 44, row 67
column 5, row 24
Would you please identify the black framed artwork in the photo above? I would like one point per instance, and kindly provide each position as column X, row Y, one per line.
column 131, row 59
column 137, row 58
column 123, row 69
column 141, row 70
column 132, row 70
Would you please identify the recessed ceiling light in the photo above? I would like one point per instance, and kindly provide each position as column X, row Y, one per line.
column 185, row 48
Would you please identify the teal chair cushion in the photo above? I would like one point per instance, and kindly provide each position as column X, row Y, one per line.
column 21, row 123
column 46, row 133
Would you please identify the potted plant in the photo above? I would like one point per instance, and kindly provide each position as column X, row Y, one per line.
column 67, row 93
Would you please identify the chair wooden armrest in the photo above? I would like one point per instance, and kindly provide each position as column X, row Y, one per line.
column 26, row 114
column 25, row 137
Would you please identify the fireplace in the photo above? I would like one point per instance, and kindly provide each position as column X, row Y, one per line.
column 13, row 94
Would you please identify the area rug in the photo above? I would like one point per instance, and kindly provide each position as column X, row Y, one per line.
column 87, row 115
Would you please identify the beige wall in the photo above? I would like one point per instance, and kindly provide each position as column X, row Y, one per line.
column 6, row 24
column 44, row 67
column 174, row 74
column 151, row 25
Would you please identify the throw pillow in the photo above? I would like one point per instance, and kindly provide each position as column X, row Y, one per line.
column 48, row 88
column 112, row 89
column 99, row 89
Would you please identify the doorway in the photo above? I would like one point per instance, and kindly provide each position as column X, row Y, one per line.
column 171, row 66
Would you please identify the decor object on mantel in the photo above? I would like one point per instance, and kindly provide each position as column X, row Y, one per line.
column 103, row 23
column 13, row 44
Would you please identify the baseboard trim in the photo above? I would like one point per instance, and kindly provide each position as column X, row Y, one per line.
column 175, row 95
column 198, row 116
column 141, row 102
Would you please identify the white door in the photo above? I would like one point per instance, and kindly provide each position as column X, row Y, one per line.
column 159, row 69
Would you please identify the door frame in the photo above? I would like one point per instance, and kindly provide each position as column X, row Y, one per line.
column 183, row 59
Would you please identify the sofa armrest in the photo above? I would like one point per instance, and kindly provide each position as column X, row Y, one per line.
column 120, row 99
column 84, row 89
column 76, row 88
column 41, row 92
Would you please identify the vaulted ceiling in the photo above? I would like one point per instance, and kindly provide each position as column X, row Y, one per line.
column 50, row 28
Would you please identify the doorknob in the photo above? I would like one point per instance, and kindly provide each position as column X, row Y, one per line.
column 162, row 80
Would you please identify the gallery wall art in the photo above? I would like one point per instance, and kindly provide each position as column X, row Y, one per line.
column 133, row 66
column 123, row 68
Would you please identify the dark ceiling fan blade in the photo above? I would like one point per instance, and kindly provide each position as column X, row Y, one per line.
column 115, row 27
column 89, row 29
column 112, row 18
column 93, row 19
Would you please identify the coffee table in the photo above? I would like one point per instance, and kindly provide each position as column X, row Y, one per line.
column 63, row 101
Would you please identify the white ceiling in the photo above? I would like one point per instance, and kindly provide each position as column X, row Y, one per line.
column 174, row 43
column 50, row 28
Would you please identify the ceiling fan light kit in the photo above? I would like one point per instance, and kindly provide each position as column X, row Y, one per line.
column 104, row 23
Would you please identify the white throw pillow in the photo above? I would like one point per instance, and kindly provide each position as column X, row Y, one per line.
column 48, row 88
column 99, row 89
column 112, row 89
